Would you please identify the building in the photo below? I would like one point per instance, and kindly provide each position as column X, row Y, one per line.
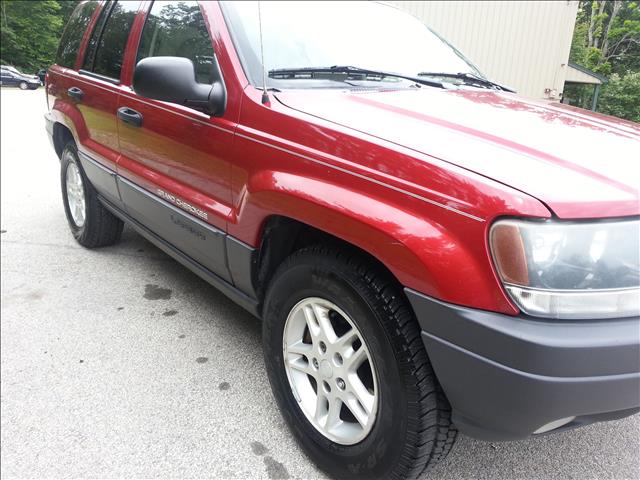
column 524, row 45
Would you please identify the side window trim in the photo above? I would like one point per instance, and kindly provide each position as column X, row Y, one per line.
column 108, row 6
column 131, row 48
column 69, row 58
column 104, row 78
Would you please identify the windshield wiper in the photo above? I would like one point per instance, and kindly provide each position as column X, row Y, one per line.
column 342, row 72
column 469, row 79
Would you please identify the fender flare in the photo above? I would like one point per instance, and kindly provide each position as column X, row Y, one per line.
column 404, row 241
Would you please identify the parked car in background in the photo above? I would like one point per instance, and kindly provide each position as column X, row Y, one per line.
column 429, row 253
column 17, row 72
column 9, row 68
column 41, row 74
column 12, row 77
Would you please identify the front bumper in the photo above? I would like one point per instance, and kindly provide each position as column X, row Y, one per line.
column 508, row 377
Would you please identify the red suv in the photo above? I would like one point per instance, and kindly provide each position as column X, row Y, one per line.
column 428, row 252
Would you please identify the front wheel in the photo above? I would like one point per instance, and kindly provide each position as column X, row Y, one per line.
column 23, row 85
column 349, row 370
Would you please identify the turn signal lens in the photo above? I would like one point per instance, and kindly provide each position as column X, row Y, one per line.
column 509, row 254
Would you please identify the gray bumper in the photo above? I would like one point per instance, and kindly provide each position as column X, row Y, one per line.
column 506, row 377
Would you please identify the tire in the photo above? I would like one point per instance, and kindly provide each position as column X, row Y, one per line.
column 97, row 227
column 412, row 430
column 23, row 85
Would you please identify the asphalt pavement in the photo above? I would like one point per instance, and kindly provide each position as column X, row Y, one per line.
column 120, row 363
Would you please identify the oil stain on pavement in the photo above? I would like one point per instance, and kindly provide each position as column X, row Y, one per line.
column 154, row 292
column 202, row 359
column 275, row 469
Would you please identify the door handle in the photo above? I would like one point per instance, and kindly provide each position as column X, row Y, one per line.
column 75, row 93
column 130, row 116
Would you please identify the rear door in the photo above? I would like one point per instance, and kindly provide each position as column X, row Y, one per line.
column 94, row 89
column 84, row 85
column 174, row 169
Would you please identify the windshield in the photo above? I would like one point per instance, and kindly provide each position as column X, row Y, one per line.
column 366, row 35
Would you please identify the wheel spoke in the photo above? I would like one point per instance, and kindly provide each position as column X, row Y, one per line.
column 322, row 316
column 354, row 358
column 333, row 415
column 302, row 366
column 344, row 342
column 360, row 392
column 356, row 409
column 312, row 322
column 300, row 348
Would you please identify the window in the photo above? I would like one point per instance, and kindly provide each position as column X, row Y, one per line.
column 113, row 39
column 369, row 35
column 177, row 29
column 72, row 36
column 90, row 53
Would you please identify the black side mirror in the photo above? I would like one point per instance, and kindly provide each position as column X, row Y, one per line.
column 173, row 79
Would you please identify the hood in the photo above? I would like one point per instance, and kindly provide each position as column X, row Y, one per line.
column 580, row 164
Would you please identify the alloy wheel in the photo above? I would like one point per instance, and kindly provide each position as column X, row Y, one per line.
column 330, row 370
column 75, row 195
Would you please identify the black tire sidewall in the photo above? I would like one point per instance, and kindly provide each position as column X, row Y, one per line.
column 374, row 456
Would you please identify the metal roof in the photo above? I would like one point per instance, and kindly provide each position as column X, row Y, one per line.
column 579, row 74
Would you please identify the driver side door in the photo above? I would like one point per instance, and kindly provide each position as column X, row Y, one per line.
column 174, row 170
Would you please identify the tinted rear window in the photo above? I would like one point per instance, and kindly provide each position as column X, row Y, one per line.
column 90, row 52
column 108, row 60
column 73, row 32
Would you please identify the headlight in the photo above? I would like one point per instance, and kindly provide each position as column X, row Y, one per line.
column 569, row 270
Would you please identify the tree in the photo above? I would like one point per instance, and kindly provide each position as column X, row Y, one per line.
column 30, row 31
column 66, row 9
column 606, row 39
column 621, row 96
column 607, row 36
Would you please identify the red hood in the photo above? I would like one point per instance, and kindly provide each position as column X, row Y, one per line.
column 581, row 165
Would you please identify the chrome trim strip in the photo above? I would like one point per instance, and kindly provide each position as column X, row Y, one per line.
column 372, row 180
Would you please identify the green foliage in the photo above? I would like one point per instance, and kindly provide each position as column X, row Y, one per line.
column 578, row 44
column 621, row 96
column 606, row 40
column 30, row 31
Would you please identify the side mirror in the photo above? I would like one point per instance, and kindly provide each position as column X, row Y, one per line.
column 173, row 79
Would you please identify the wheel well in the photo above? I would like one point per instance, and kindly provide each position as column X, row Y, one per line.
column 282, row 236
column 61, row 136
